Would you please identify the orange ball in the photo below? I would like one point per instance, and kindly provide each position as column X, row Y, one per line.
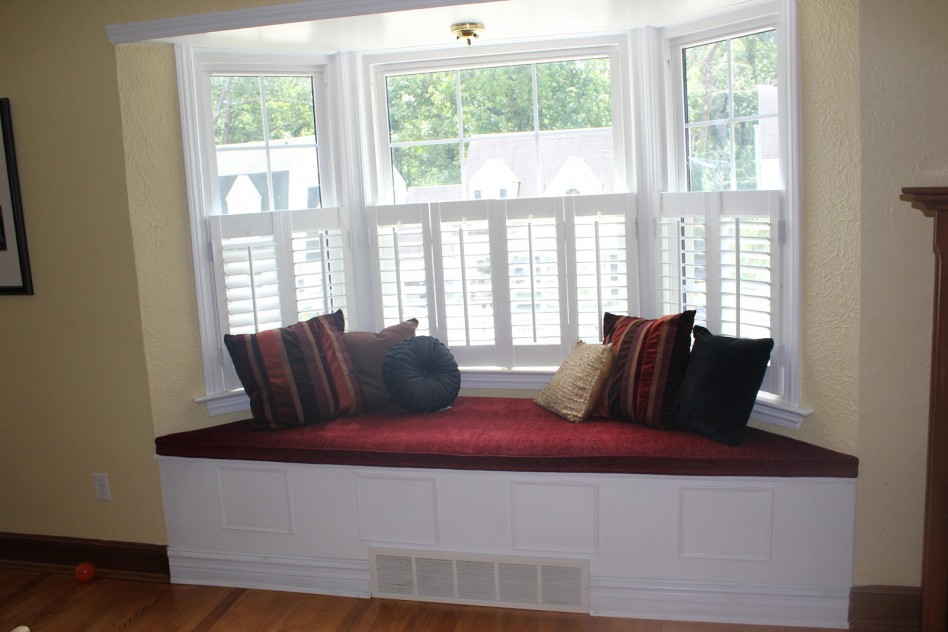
column 85, row 571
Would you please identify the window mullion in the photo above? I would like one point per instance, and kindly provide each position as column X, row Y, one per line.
column 460, row 141
column 536, row 126
column 265, row 129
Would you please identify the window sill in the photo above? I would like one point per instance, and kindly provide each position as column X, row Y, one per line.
column 768, row 409
column 223, row 403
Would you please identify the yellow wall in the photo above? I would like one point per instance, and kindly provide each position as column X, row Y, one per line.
column 105, row 356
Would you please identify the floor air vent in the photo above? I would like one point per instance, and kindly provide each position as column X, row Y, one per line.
column 485, row 580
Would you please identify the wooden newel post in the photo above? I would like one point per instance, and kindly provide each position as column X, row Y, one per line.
column 934, row 201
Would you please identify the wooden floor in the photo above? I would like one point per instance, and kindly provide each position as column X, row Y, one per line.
column 49, row 602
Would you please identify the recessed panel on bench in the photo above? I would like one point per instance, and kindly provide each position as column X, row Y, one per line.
column 398, row 509
column 555, row 517
column 726, row 523
column 255, row 499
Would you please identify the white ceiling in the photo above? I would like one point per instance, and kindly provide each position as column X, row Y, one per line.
column 505, row 20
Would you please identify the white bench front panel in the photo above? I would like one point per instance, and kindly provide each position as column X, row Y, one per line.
column 753, row 550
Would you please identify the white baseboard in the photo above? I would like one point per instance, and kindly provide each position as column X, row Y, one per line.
column 757, row 604
column 721, row 602
column 324, row 576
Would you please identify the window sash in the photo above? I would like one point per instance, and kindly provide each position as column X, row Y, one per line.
column 381, row 67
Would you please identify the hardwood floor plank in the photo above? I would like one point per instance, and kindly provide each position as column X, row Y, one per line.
column 193, row 608
column 58, row 603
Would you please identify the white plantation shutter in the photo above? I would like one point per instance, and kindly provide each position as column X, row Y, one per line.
column 536, row 263
column 718, row 256
column 402, row 243
column 604, row 247
column 464, row 261
column 275, row 269
column 506, row 283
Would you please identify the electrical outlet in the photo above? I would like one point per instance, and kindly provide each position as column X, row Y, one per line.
column 101, row 483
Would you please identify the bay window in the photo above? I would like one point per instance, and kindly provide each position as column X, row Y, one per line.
column 505, row 198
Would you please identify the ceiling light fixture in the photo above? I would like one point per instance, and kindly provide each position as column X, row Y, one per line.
column 467, row 30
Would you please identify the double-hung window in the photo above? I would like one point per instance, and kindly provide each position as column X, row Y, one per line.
column 723, row 239
column 268, row 241
column 507, row 227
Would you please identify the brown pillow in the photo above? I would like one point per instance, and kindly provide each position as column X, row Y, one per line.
column 367, row 351
column 578, row 383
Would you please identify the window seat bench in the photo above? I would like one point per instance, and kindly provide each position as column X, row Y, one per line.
column 663, row 524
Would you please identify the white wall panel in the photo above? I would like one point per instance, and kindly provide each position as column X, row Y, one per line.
column 398, row 509
column 753, row 550
column 255, row 499
column 559, row 517
column 725, row 523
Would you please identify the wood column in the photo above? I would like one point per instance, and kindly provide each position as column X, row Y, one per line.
column 934, row 202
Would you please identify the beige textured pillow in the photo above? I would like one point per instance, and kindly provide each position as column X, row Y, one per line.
column 578, row 382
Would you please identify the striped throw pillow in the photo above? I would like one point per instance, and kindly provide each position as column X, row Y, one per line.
column 298, row 374
column 651, row 356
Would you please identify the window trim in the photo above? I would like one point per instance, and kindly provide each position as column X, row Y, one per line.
column 193, row 64
column 782, row 16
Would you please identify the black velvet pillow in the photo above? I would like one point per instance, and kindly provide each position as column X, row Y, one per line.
column 421, row 375
column 720, row 386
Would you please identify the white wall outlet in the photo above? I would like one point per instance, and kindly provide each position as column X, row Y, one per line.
column 101, row 483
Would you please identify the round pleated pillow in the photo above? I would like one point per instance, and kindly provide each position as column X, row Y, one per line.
column 421, row 375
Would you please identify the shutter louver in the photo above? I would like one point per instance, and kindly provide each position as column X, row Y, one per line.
column 600, row 261
column 533, row 269
column 683, row 266
column 275, row 269
column 319, row 270
column 717, row 256
column 251, row 285
column 746, row 277
column 468, row 290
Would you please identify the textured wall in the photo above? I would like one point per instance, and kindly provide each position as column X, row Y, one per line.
column 157, row 199
column 904, row 134
column 74, row 366
column 73, row 384
column 829, row 43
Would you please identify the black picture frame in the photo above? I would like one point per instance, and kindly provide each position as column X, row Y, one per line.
column 15, row 275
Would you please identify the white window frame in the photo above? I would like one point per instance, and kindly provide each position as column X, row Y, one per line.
column 194, row 67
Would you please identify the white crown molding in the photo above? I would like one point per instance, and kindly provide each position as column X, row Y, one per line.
column 265, row 16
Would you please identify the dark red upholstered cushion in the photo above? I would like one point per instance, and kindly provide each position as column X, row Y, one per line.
column 510, row 435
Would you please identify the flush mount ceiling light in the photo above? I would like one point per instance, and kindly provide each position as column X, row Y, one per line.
column 467, row 30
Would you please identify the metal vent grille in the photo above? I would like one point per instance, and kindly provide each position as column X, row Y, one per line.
column 486, row 580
